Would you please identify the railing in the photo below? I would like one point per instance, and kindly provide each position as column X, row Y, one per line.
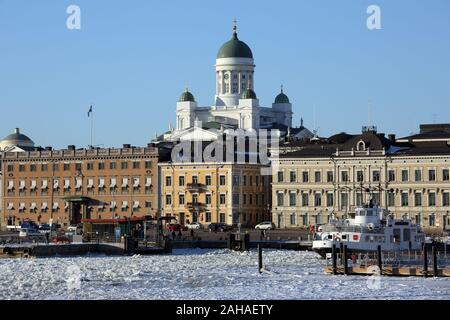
column 195, row 206
column 192, row 187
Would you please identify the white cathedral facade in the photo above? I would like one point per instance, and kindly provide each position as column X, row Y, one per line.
column 236, row 105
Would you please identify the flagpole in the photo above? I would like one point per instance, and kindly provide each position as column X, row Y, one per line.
column 92, row 128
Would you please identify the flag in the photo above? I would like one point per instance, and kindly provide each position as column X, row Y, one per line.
column 90, row 111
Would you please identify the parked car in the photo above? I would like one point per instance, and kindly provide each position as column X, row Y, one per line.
column 28, row 224
column 194, row 226
column 27, row 232
column 222, row 227
column 176, row 227
column 266, row 225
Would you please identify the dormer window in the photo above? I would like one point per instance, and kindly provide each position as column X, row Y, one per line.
column 361, row 146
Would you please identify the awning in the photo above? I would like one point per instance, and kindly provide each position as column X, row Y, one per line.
column 33, row 185
column 77, row 199
column 22, row 206
column 148, row 182
column 55, row 206
column 44, row 206
column 90, row 184
column 44, row 184
column 22, row 185
column 66, row 184
column 33, row 206
column 124, row 204
column 136, row 205
column 10, row 185
column 10, row 206
column 112, row 205
column 113, row 183
column 78, row 183
column 66, row 205
column 101, row 183
column 101, row 207
column 136, row 183
column 55, row 184
column 125, row 182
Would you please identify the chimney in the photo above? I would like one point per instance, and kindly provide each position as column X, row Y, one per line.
column 17, row 130
column 127, row 146
column 71, row 147
column 392, row 137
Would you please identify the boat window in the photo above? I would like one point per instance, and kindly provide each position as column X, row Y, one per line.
column 369, row 213
column 344, row 237
column 406, row 234
column 367, row 238
column 330, row 236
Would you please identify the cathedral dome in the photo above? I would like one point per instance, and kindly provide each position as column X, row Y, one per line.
column 282, row 98
column 235, row 48
column 187, row 96
column 16, row 139
column 249, row 94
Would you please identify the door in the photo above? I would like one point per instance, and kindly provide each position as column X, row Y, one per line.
column 182, row 218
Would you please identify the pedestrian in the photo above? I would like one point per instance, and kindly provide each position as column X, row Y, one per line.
column 180, row 234
column 192, row 234
column 173, row 234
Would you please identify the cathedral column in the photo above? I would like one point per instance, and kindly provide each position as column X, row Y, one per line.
column 240, row 83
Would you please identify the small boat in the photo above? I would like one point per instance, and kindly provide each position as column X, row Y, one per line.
column 371, row 227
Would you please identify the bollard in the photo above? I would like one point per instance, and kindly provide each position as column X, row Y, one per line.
column 379, row 257
column 341, row 252
column 260, row 262
column 334, row 257
column 435, row 262
column 345, row 260
column 425, row 261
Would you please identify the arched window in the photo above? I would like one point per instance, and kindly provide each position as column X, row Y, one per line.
column 361, row 146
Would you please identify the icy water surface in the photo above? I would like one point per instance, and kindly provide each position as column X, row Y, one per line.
column 202, row 274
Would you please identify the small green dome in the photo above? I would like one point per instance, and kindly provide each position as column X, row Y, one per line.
column 187, row 96
column 282, row 98
column 249, row 94
column 235, row 48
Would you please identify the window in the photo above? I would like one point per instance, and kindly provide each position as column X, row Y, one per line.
column 90, row 166
column 405, row 175
column 168, row 199
column 405, row 199
column 330, row 176
column 222, row 217
column 292, row 176
column 376, row 176
column 208, row 199
column 181, row 180
column 32, row 167
column 21, row 168
column 101, row 166
column 344, row 176
column 236, row 180
column 10, row 167
column 359, row 176
column 344, row 201
column 305, row 176
column 112, row 165
column 251, row 181
column 244, row 180
column 431, row 175
column 305, row 199
column 330, row 199
column 44, row 167
column 168, row 181
column 445, row 199
column 391, row 175
column 391, row 199
column 417, row 199
column 136, row 164
column 222, row 199
column 280, row 176
column 244, row 199
column 317, row 176
column 208, row 217
column 293, row 219
column 194, row 180
column 208, row 180
column 431, row 199
column 292, row 199
column 148, row 164
column 432, row 220
column 280, row 199
column 250, row 198
column 222, row 180
column 445, row 174
column 66, row 166
column 417, row 175
column 148, row 204
column 359, row 199
column 181, row 199
column 257, row 180
column 78, row 166
column 124, row 165
column 236, row 199
column 305, row 219
column 317, row 199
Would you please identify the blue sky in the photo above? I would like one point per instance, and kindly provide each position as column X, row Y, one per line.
column 132, row 60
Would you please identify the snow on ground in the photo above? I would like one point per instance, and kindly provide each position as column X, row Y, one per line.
column 202, row 274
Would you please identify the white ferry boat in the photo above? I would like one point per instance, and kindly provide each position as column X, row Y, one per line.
column 371, row 226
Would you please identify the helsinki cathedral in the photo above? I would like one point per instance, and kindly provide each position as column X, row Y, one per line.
column 236, row 105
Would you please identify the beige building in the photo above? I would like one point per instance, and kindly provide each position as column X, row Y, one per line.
column 71, row 184
column 215, row 192
column 324, row 177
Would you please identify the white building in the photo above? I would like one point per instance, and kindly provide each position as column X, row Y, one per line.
column 236, row 104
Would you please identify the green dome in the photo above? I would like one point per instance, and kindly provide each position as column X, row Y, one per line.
column 249, row 94
column 282, row 98
column 187, row 96
column 235, row 48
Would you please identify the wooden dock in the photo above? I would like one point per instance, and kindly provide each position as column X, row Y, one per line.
column 389, row 271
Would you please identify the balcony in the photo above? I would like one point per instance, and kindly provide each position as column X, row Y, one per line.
column 195, row 187
column 196, row 206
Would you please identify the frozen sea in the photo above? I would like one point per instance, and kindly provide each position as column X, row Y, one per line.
column 202, row 274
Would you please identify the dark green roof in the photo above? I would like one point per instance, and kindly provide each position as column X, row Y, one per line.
column 187, row 96
column 249, row 94
column 235, row 48
column 281, row 98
